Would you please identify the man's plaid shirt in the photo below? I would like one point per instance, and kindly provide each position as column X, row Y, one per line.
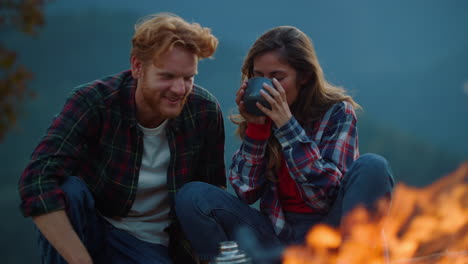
column 96, row 138
column 317, row 159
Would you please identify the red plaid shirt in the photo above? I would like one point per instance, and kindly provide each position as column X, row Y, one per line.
column 96, row 138
column 316, row 158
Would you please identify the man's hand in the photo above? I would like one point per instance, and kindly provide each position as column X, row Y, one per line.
column 59, row 232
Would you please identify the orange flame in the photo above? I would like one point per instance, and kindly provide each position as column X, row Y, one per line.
column 423, row 225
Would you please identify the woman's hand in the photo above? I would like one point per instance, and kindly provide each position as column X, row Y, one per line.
column 280, row 112
column 240, row 104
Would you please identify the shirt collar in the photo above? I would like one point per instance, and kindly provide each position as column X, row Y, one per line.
column 128, row 88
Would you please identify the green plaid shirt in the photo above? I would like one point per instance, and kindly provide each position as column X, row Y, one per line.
column 95, row 137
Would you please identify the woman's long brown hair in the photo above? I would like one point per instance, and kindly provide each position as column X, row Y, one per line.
column 315, row 95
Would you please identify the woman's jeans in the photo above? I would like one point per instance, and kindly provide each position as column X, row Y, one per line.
column 105, row 243
column 210, row 215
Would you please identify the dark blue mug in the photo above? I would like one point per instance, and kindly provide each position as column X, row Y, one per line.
column 252, row 95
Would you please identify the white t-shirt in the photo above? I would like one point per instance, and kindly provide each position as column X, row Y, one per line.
column 149, row 214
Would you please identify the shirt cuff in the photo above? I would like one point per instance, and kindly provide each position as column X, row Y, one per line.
column 290, row 133
column 259, row 131
column 44, row 203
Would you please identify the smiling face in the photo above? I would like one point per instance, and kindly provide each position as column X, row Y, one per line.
column 162, row 89
column 269, row 65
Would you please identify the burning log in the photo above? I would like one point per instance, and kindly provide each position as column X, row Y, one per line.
column 423, row 225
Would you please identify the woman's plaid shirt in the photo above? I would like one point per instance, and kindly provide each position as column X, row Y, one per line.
column 317, row 159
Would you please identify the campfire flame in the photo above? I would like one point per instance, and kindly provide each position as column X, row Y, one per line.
column 421, row 225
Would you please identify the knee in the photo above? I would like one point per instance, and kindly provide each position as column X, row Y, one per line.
column 189, row 194
column 77, row 192
column 374, row 169
column 189, row 190
column 197, row 197
column 372, row 161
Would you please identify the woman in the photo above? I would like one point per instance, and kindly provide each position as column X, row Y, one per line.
column 301, row 159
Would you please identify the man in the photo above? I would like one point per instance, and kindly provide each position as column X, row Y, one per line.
column 100, row 184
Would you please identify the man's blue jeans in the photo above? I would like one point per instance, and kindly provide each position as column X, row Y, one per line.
column 209, row 215
column 105, row 243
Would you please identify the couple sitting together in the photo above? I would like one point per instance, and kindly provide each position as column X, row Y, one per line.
column 132, row 169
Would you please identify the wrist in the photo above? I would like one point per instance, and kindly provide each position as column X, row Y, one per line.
column 259, row 131
column 81, row 260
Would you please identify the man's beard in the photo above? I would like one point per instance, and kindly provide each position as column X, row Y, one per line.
column 156, row 106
